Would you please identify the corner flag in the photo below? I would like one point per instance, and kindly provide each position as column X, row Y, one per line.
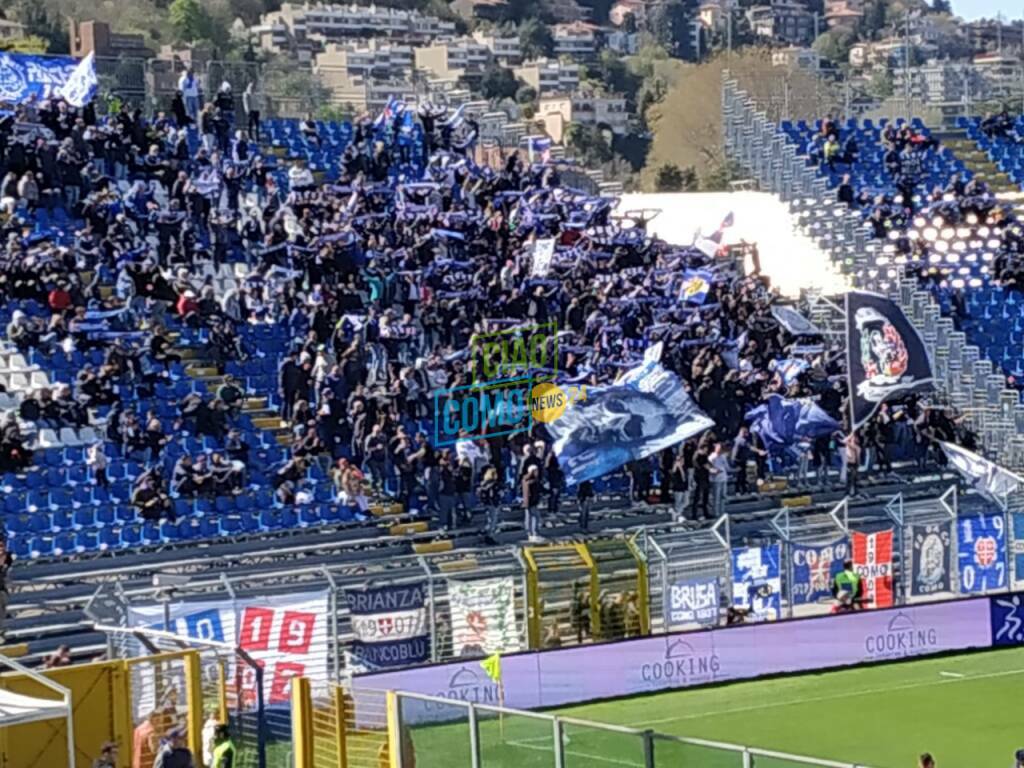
column 492, row 666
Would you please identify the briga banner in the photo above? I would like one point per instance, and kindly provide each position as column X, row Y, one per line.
column 982, row 552
column 483, row 616
column 872, row 560
column 692, row 601
column 757, row 581
column 390, row 626
column 931, row 559
column 814, row 568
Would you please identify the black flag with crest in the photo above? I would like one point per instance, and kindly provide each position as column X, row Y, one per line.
column 886, row 357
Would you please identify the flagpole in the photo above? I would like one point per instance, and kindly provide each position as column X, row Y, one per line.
column 849, row 366
column 501, row 709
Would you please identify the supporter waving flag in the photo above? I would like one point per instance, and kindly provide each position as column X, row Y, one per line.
column 696, row 286
column 646, row 411
column 886, row 357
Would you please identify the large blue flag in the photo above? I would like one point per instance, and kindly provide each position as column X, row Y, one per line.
column 24, row 77
column 644, row 412
column 781, row 422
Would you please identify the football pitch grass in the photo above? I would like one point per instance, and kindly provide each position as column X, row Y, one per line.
column 965, row 710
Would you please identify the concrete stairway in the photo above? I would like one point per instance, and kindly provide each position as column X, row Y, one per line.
column 977, row 160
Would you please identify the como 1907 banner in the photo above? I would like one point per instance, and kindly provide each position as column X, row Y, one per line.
column 814, row 568
column 982, row 552
column 872, row 559
column 285, row 634
column 390, row 626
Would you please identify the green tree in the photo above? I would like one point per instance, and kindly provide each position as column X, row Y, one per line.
column 190, row 21
column 535, row 39
column 497, row 82
column 294, row 92
column 671, row 24
column 873, row 21
column 27, row 44
column 671, row 178
column 835, row 45
column 526, row 94
column 589, row 143
column 881, row 84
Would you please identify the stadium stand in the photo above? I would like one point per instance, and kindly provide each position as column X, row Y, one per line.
column 217, row 349
column 961, row 241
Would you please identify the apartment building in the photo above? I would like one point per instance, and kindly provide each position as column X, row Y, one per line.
column 577, row 40
column 375, row 58
column 504, row 50
column 462, row 57
column 559, row 111
column 301, row 26
column 96, row 37
column 548, row 76
column 782, row 20
column 11, row 30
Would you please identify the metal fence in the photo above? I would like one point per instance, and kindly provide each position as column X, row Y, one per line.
column 964, row 378
column 567, row 594
column 228, row 686
column 433, row 732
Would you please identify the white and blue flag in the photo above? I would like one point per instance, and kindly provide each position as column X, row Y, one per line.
column 757, row 581
column 647, row 410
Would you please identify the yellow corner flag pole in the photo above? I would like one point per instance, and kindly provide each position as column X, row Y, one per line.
column 492, row 667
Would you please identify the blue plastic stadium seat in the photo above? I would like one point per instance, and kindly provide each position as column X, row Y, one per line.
column 20, row 547
column 309, row 515
column 85, row 517
column 41, row 546
column 131, row 535
column 87, row 541
column 109, row 538
column 209, row 527
column 150, row 533
column 64, row 543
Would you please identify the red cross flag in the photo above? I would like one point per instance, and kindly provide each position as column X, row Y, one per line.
column 872, row 559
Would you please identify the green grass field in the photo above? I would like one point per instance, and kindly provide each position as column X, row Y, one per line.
column 966, row 710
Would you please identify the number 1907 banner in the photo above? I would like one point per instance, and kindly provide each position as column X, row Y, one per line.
column 286, row 635
column 982, row 552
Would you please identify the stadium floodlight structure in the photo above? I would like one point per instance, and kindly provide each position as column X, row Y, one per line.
column 20, row 709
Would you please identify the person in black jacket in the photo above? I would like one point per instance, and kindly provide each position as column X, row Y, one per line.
column 531, row 487
column 702, row 483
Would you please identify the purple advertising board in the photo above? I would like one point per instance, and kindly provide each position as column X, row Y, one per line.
column 611, row 670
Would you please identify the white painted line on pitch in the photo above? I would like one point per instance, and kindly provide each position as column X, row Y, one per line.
column 599, row 758
column 956, row 675
column 814, row 699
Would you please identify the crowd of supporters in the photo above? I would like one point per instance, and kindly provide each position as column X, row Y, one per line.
column 383, row 278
